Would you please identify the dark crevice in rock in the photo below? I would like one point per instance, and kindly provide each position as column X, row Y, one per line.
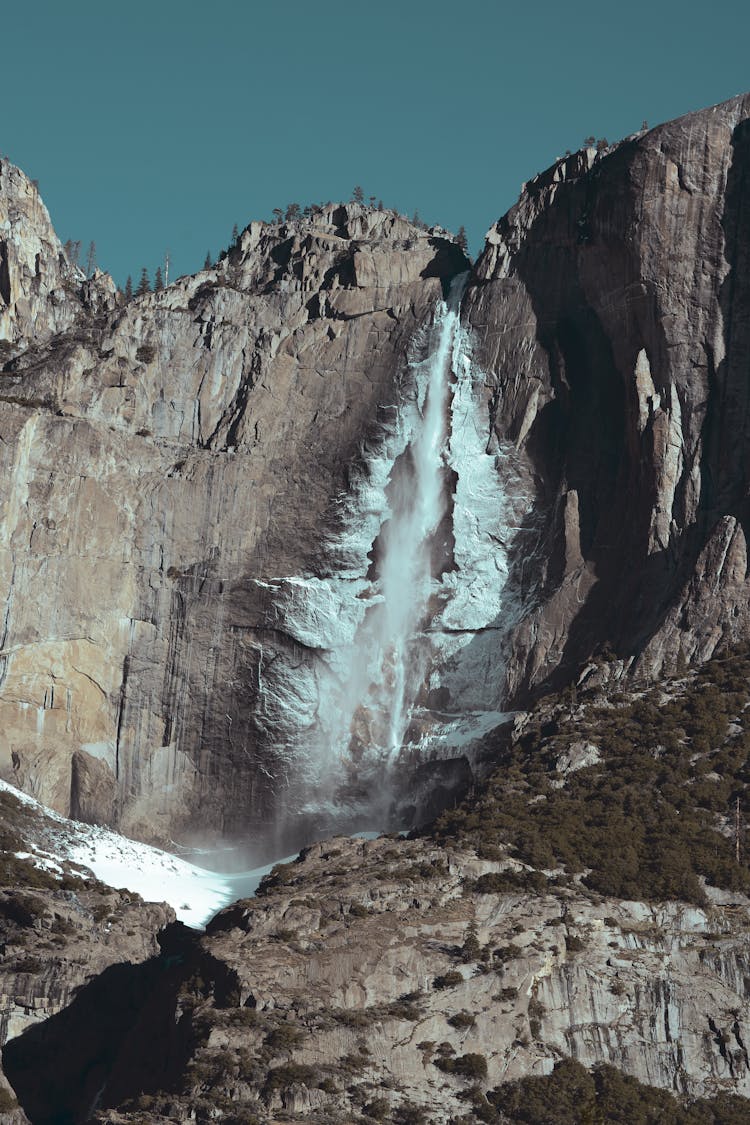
column 720, row 1041
column 121, row 1036
column 740, row 1043
column 449, row 261
column 4, row 273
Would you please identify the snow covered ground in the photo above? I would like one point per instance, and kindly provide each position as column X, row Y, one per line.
column 195, row 893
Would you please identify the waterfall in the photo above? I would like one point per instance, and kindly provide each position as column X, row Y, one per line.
column 402, row 630
column 389, row 659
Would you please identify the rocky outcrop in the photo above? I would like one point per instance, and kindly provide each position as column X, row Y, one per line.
column 60, row 930
column 41, row 292
column 368, row 970
column 610, row 310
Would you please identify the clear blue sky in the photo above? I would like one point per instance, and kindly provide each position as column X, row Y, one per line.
column 162, row 123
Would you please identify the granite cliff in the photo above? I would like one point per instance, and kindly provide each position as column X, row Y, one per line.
column 610, row 307
column 197, row 491
column 178, row 468
column 166, row 461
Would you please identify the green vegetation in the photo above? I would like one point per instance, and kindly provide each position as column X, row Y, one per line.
column 285, row 1037
column 448, row 980
column 146, row 353
column 378, row 1109
column 472, row 1066
column 291, row 1074
column 572, row 1095
column 646, row 822
column 536, row 1012
column 462, row 1020
column 405, row 1008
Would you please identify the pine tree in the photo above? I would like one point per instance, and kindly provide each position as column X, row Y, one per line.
column 462, row 240
column 158, row 282
column 380, row 205
column 91, row 260
column 278, row 214
column 235, row 235
column 144, row 285
column 129, row 289
column 208, row 263
column 292, row 212
column 471, row 949
column 358, row 194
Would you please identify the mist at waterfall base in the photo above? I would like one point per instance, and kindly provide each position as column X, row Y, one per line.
column 403, row 627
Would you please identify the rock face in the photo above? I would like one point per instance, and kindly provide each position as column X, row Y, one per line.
column 165, row 461
column 41, row 292
column 366, row 968
column 610, row 309
column 176, row 469
column 60, row 930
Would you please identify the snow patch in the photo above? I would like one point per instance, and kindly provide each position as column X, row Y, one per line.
column 195, row 893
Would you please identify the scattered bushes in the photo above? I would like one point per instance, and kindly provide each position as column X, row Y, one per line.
column 645, row 822
column 378, row 1109
column 472, row 1066
column 448, row 980
column 504, row 882
column 536, row 1011
column 285, row 1037
column 462, row 1020
column 22, row 909
column 405, row 1008
column 291, row 1074
column 571, row 1094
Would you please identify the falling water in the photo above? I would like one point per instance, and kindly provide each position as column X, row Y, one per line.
column 402, row 630
column 388, row 660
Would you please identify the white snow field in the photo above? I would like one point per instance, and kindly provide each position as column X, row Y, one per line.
column 195, row 893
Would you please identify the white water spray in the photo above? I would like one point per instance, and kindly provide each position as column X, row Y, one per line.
column 419, row 501
column 403, row 635
column 390, row 650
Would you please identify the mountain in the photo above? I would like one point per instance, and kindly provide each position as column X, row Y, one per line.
column 610, row 307
column 346, row 532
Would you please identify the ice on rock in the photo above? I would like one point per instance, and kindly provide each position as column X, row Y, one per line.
column 414, row 594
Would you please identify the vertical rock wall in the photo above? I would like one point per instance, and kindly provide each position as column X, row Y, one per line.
column 610, row 308
column 166, row 462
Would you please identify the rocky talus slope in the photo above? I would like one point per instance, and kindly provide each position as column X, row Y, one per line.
column 610, row 310
column 372, row 976
column 415, row 980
